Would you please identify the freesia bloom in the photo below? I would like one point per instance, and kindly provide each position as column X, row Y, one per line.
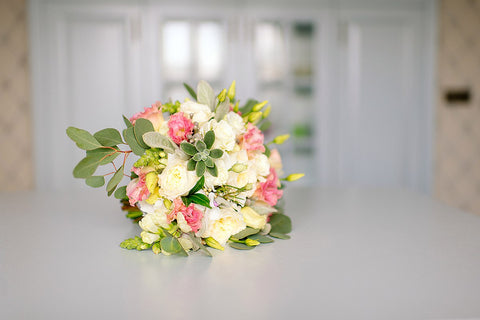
column 179, row 127
column 268, row 190
column 154, row 114
column 253, row 139
column 188, row 218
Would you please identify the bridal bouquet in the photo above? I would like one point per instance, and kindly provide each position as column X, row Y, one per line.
column 204, row 176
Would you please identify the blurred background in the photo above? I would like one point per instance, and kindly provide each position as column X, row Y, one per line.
column 380, row 94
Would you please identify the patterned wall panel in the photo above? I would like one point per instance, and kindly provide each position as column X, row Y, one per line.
column 16, row 164
column 457, row 172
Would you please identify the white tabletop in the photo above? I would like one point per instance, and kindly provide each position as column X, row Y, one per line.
column 353, row 255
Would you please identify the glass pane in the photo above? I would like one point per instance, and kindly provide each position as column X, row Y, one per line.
column 210, row 50
column 270, row 53
column 176, row 43
column 302, row 49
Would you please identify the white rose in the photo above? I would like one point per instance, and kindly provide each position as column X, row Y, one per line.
column 201, row 113
column 236, row 122
column 224, row 135
column 223, row 164
column 176, row 180
column 148, row 237
column 153, row 221
column 261, row 164
column 220, row 224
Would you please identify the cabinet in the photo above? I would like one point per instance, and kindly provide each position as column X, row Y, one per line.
column 347, row 83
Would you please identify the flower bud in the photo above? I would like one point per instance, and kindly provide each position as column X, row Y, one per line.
column 267, row 110
column 167, row 203
column 248, row 186
column 254, row 116
column 281, row 139
column 235, row 108
column 252, row 243
column 253, row 219
column 231, row 91
column 221, row 97
column 239, row 167
column 259, row 106
column 156, row 248
column 151, row 180
column 294, row 176
column 214, row 243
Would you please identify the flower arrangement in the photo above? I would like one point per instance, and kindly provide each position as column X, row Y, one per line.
column 204, row 176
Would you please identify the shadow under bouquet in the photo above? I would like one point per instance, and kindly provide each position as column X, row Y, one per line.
column 204, row 176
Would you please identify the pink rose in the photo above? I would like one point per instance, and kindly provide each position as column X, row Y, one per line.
column 137, row 189
column 153, row 113
column 192, row 215
column 179, row 127
column 275, row 160
column 268, row 191
column 252, row 139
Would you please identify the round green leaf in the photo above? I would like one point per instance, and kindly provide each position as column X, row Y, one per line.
column 240, row 246
column 121, row 193
column 117, row 177
column 279, row 235
column 171, row 245
column 95, row 181
column 141, row 127
column 107, row 154
column 86, row 167
column 83, row 138
column 280, row 223
column 261, row 238
column 108, row 137
column 129, row 136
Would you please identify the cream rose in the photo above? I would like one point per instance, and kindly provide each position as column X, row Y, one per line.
column 261, row 165
column 201, row 113
column 253, row 219
column 220, row 224
column 224, row 135
column 223, row 164
column 176, row 180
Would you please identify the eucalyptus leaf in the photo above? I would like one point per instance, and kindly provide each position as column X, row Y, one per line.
column 133, row 214
column 190, row 90
column 129, row 136
column 83, row 138
column 121, row 193
column 245, row 233
column 188, row 148
column 261, row 238
column 199, row 243
column 222, row 110
column 200, row 168
column 171, row 245
column 248, row 106
column 265, row 125
column 280, row 223
column 279, row 235
column 107, row 154
column 205, row 94
column 86, row 167
column 209, row 138
column 240, row 246
column 155, row 139
column 127, row 122
column 262, row 207
column 95, row 181
column 115, row 180
column 108, row 137
column 141, row 127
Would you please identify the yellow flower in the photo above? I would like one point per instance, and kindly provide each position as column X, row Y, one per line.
column 252, row 218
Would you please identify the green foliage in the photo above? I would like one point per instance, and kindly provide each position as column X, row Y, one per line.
column 108, row 137
column 198, row 186
column 134, row 214
column 245, row 233
column 171, row 245
column 121, row 193
column 135, row 243
column 205, row 94
column 265, row 125
column 83, row 138
column 157, row 140
column 267, row 150
column 115, row 180
column 280, row 223
column 209, row 139
column 129, row 136
column 127, row 122
column 201, row 155
column 141, row 127
column 197, row 198
column 104, row 155
column 199, row 243
column 95, row 181
column 261, row 238
column 222, row 110
column 279, row 235
column 173, row 107
column 240, row 246
column 151, row 158
column 247, row 108
column 86, row 167
column 190, row 91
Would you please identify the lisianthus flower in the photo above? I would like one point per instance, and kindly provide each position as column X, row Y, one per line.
column 252, row 140
column 188, row 218
column 175, row 180
column 268, row 191
column 276, row 161
column 220, row 224
column 154, row 115
column 137, row 189
column 179, row 127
